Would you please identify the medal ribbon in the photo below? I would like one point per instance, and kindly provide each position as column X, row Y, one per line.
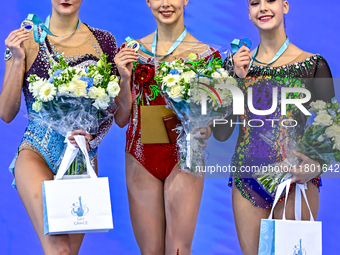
column 283, row 48
column 45, row 27
column 179, row 40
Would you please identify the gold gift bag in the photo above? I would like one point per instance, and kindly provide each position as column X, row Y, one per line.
column 152, row 125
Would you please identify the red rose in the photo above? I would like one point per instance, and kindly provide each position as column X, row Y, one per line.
column 144, row 74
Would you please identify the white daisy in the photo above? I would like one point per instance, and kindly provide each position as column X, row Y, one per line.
column 171, row 79
column 47, row 92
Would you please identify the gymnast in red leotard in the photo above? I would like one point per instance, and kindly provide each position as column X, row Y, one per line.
column 158, row 159
column 163, row 200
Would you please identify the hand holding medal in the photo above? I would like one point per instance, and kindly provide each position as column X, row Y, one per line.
column 125, row 58
column 33, row 21
column 16, row 38
column 14, row 41
column 243, row 59
column 237, row 44
column 15, row 44
column 241, row 56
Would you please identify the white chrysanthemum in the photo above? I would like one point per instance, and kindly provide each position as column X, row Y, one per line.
column 37, row 106
column 95, row 92
column 103, row 100
column 188, row 75
column 113, row 88
column 97, row 79
column 35, row 87
column 175, row 92
column 196, row 95
column 47, row 92
column 63, row 89
column 171, row 79
column 78, row 87
column 226, row 96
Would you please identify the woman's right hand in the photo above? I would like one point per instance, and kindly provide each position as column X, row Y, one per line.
column 124, row 61
column 242, row 60
column 15, row 42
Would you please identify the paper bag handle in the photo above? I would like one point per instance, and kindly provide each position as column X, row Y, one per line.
column 299, row 188
column 71, row 153
column 279, row 191
column 298, row 202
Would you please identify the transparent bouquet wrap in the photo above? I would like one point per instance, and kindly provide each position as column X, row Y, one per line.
column 320, row 141
column 192, row 155
column 269, row 177
column 74, row 98
column 192, row 92
column 65, row 114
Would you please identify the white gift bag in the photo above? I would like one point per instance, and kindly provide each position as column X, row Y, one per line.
column 79, row 205
column 290, row 237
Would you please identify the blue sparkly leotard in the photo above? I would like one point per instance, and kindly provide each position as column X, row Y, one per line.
column 44, row 141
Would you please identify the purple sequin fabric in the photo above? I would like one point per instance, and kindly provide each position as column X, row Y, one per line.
column 251, row 149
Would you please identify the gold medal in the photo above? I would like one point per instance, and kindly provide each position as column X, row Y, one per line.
column 27, row 25
column 133, row 45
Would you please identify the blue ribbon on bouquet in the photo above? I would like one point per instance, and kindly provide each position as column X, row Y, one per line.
column 45, row 27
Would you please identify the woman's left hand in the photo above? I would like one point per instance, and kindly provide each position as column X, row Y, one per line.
column 205, row 135
column 308, row 169
column 87, row 136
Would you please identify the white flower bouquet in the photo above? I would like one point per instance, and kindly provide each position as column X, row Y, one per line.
column 94, row 83
column 320, row 142
column 184, row 85
column 73, row 97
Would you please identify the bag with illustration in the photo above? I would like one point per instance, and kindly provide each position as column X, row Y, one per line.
column 295, row 237
column 79, row 205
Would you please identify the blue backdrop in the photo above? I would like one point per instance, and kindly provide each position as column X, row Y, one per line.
column 312, row 25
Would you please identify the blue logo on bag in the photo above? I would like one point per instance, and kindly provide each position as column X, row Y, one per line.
column 298, row 250
column 79, row 209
